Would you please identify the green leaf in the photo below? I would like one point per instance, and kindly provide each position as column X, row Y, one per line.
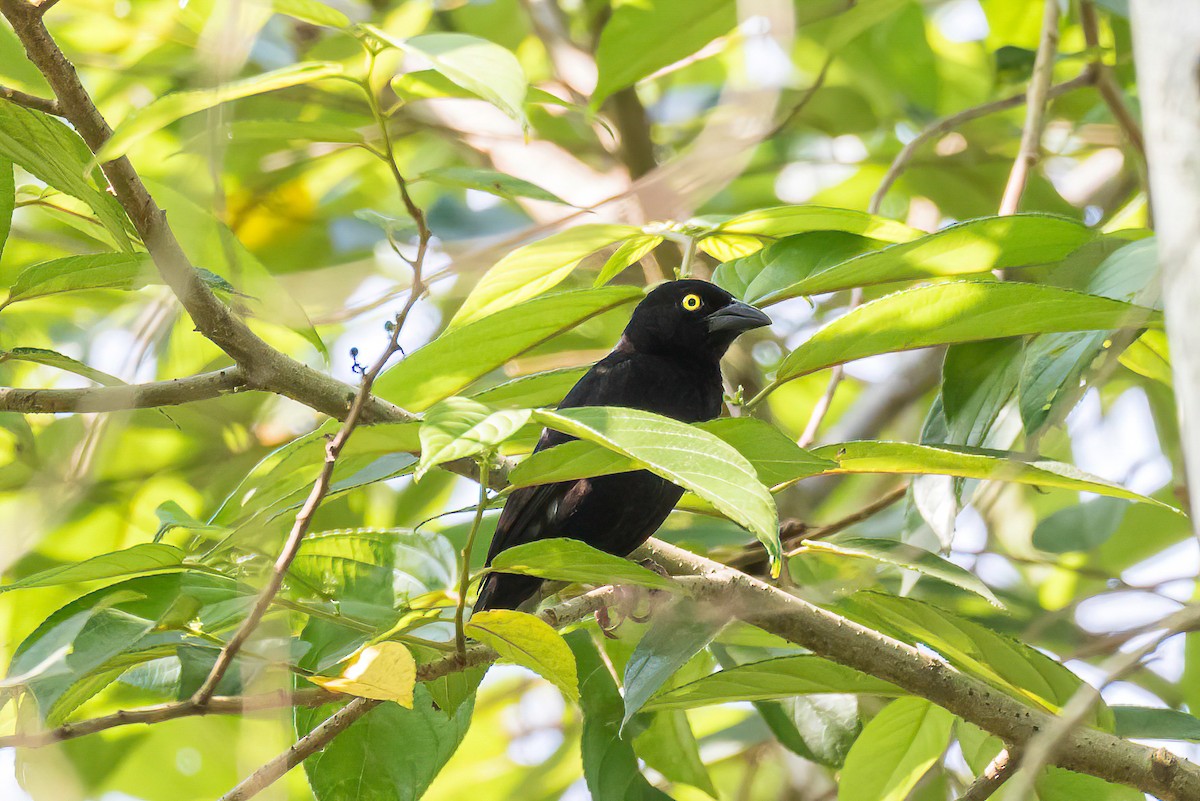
column 781, row 270
column 1081, row 527
column 1007, row 664
column 610, row 766
column 780, row 221
column 630, row 252
column 8, row 201
column 669, row 745
column 143, row 558
column 1152, row 723
column 531, row 270
column 771, row 679
column 458, row 357
column 94, row 271
column 477, row 65
column 572, row 560
column 536, row 389
column 959, row 311
column 642, row 38
column 907, row 556
column 390, row 754
column 458, row 427
column 976, row 246
column 53, row 153
column 1149, row 356
column 311, row 11
column 169, row 108
column 947, row 460
column 685, row 455
column 490, row 181
column 675, row 636
column 528, row 641
column 775, row 458
column 895, row 750
column 978, row 380
column 57, row 360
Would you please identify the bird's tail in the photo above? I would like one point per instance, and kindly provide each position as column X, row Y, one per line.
column 505, row 591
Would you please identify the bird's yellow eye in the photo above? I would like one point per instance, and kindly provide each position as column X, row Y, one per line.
column 691, row 302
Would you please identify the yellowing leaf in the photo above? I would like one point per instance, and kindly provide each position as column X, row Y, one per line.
column 385, row 671
column 530, row 642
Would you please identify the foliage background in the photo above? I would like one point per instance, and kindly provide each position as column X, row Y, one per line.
column 271, row 194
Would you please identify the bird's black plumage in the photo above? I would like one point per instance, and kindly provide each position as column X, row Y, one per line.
column 667, row 362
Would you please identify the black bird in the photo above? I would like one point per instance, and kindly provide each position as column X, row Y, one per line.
column 668, row 361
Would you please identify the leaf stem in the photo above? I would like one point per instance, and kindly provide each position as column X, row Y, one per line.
column 464, row 565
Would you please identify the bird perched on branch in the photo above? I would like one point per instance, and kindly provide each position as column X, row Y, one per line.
column 668, row 361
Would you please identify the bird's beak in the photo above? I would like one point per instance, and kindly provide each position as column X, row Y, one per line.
column 736, row 318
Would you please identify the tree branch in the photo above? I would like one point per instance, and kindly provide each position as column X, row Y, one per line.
column 949, row 123
column 1107, row 84
column 160, row 713
column 992, row 778
column 42, row 104
column 172, row 392
column 1035, row 111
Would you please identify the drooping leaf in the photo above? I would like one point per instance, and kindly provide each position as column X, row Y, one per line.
column 527, row 391
column 895, row 750
column 978, row 381
column 490, row 181
column 456, row 358
column 169, row 108
column 390, row 754
column 572, row 560
column 54, row 154
column 59, row 361
column 641, row 38
column 528, row 641
column 451, row 690
column 771, row 679
column 477, row 65
column 781, row 221
column 958, row 311
column 907, row 556
column 8, row 200
column 675, row 636
column 781, row 270
column 311, row 11
column 685, row 455
column 385, row 671
column 459, row 427
column 531, row 270
column 947, row 460
column 141, row 558
column 610, row 766
column 669, row 745
column 1081, row 527
column 630, row 252
column 92, row 271
column 1149, row 356
column 1153, row 723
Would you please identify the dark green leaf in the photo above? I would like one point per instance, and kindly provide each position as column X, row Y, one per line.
column 1152, row 723
column 1081, row 527
column 571, row 560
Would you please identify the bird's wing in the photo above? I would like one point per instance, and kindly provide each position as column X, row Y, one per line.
column 535, row 513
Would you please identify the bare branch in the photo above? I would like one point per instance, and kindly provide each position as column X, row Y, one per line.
column 42, row 104
column 949, row 123
column 992, row 778
column 160, row 713
column 1035, row 111
column 1106, row 82
column 172, row 392
column 570, row 612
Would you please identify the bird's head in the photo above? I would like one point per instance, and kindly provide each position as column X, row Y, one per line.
column 690, row 318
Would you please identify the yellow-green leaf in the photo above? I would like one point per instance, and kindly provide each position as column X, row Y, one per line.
column 530, row 642
column 385, row 671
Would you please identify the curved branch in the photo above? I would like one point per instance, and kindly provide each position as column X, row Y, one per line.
column 992, row 778
column 172, row 392
column 42, row 104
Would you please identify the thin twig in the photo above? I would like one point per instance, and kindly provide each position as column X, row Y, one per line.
column 1035, row 111
column 949, row 123
column 992, row 778
column 825, row 402
column 464, row 565
column 334, row 448
column 42, row 104
column 172, row 392
column 160, row 713
column 569, row 612
column 1106, row 82
column 1041, row 749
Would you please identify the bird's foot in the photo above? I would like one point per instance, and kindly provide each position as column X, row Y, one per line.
column 650, row 564
column 607, row 627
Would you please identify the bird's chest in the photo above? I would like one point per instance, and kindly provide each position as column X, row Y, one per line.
column 690, row 393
